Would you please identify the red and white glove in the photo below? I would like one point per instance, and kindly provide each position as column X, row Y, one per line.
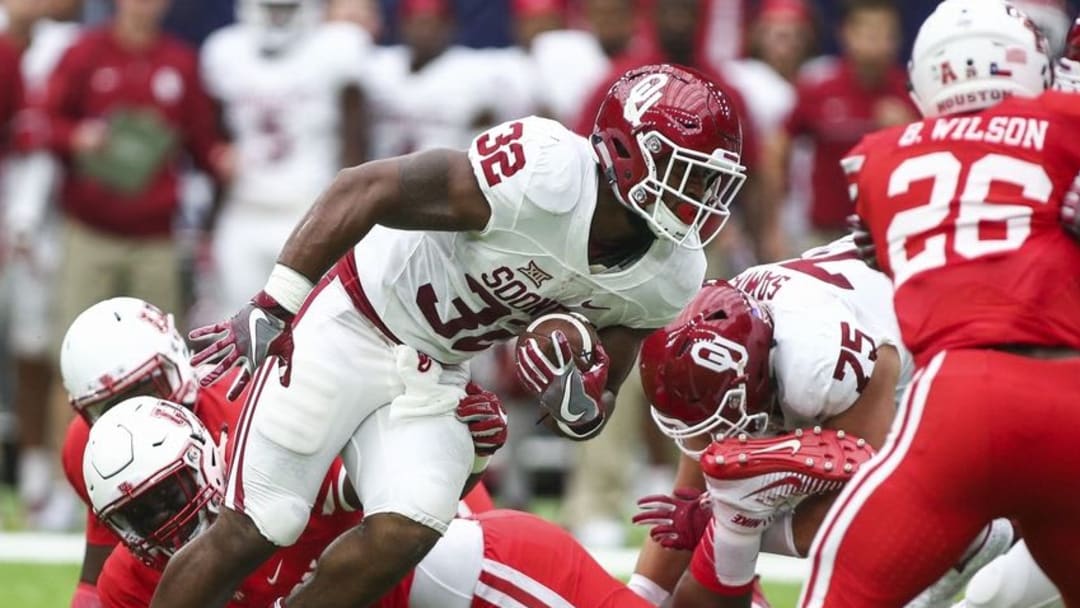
column 864, row 243
column 483, row 411
column 573, row 397
column 261, row 329
column 678, row 521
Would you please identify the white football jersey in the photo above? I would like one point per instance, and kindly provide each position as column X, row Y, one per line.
column 440, row 106
column 830, row 312
column 284, row 110
column 452, row 294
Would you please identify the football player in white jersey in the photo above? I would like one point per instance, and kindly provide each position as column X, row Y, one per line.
column 289, row 87
column 438, row 255
column 429, row 93
column 806, row 342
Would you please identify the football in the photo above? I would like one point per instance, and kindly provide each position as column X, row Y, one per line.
column 579, row 333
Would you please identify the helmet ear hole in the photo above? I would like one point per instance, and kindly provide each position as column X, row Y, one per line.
column 620, row 148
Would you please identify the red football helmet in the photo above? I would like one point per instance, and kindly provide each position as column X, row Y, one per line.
column 669, row 143
column 708, row 371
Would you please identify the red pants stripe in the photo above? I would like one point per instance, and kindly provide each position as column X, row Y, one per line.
column 981, row 434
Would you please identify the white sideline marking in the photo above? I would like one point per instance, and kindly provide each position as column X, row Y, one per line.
column 41, row 548
column 68, row 549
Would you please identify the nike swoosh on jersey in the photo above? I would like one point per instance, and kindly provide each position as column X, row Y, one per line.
column 273, row 579
column 589, row 304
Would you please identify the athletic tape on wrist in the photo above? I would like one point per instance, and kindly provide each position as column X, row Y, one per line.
column 288, row 287
column 647, row 589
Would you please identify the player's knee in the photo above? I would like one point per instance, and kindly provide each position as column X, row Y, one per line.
column 278, row 519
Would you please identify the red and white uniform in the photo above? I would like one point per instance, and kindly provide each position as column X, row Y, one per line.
column 830, row 313
column 212, row 408
column 284, row 114
column 509, row 559
column 356, row 391
column 126, row 582
column 964, row 212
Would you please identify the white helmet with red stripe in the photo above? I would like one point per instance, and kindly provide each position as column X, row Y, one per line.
column 121, row 348
column 972, row 54
column 154, row 474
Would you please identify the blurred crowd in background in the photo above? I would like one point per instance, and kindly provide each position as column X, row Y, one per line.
column 165, row 150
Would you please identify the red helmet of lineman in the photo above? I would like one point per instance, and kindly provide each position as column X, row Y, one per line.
column 707, row 373
column 669, row 142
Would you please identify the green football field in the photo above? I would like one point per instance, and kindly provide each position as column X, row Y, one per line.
column 50, row 586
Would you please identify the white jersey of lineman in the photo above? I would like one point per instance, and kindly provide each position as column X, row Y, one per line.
column 830, row 312
column 452, row 294
column 284, row 110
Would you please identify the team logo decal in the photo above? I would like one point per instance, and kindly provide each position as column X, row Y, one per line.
column 643, row 96
column 534, row 273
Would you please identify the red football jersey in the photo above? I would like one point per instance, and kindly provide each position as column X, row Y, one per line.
column 964, row 211
column 127, row 582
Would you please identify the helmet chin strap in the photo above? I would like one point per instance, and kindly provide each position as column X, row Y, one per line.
column 666, row 224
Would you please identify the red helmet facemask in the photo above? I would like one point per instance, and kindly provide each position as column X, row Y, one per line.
column 708, row 372
column 669, row 143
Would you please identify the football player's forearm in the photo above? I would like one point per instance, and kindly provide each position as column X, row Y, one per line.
column 662, row 566
column 807, row 520
column 429, row 190
column 342, row 215
column 665, row 566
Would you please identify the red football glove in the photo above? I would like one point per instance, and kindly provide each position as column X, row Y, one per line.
column 483, row 412
column 262, row 328
column 864, row 243
column 571, row 396
column 678, row 521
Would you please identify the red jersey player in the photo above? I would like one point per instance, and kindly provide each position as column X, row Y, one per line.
column 125, row 347
column 965, row 210
column 156, row 477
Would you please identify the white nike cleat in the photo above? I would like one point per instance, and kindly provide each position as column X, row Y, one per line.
column 941, row 594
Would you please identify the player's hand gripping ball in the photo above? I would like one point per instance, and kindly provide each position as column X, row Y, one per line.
column 560, row 359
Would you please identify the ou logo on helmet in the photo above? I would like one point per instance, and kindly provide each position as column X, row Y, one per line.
column 644, row 96
column 719, row 355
